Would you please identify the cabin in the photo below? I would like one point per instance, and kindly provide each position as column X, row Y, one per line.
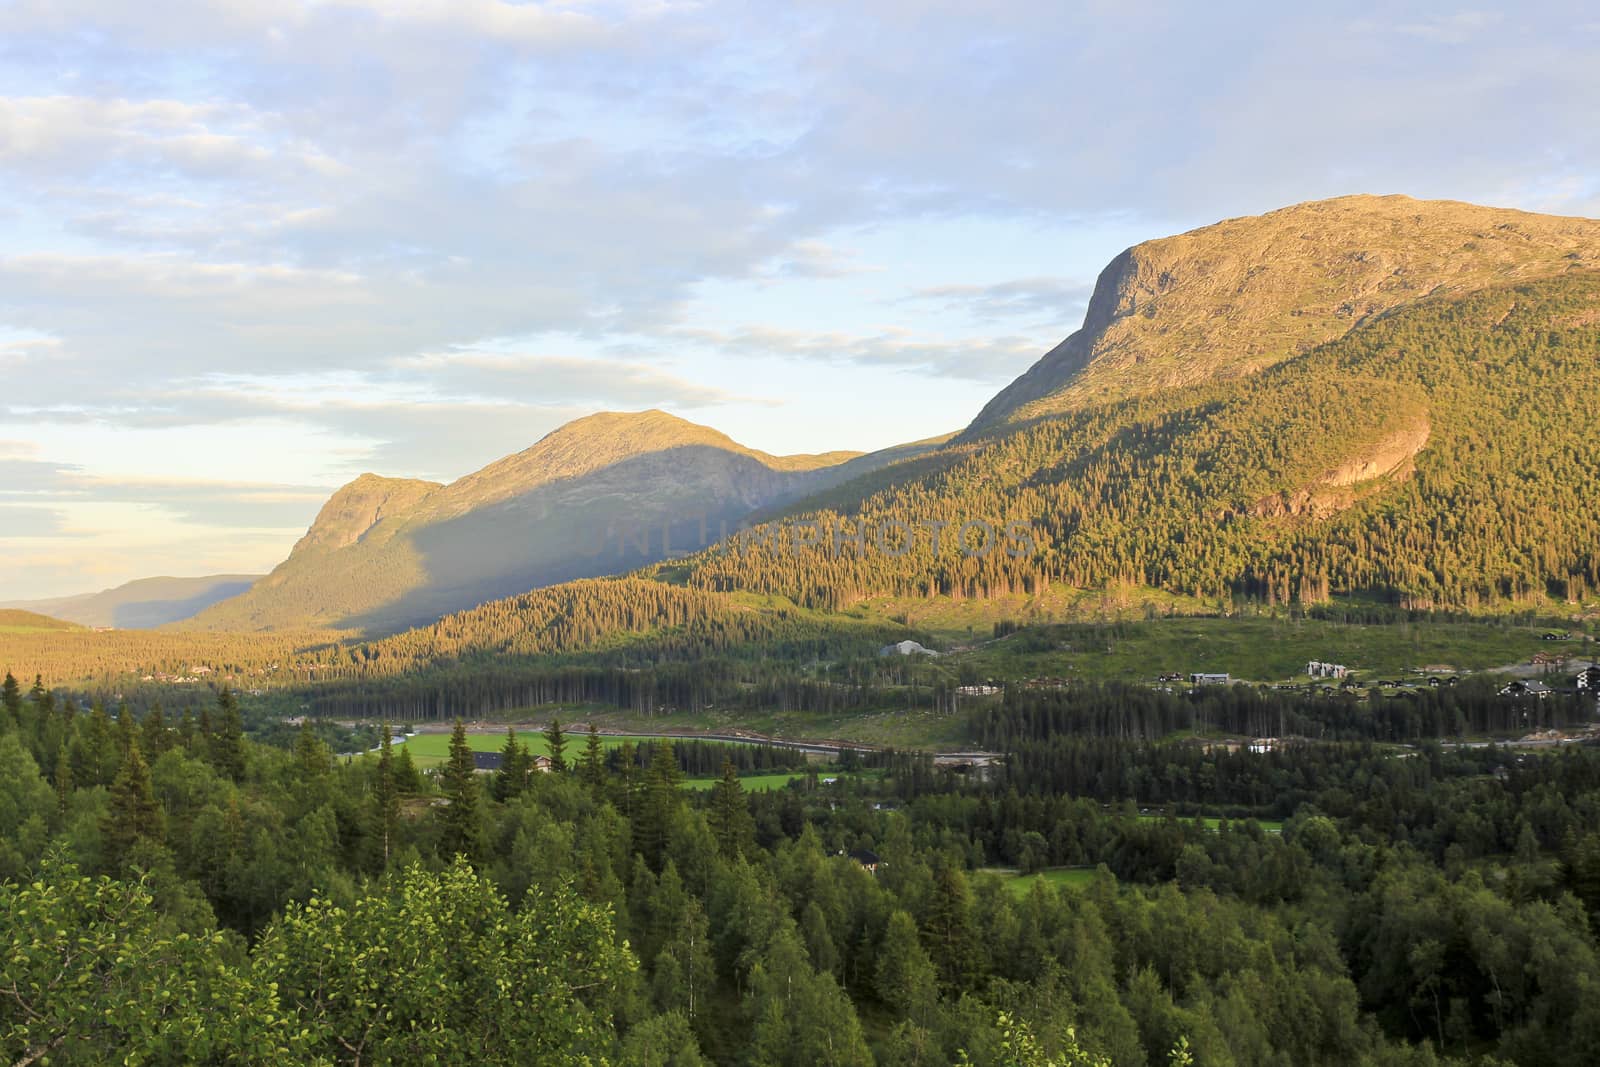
column 487, row 762
column 1210, row 679
column 542, row 764
column 1318, row 669
column 1519, row 688
column 1558, row 635
column 1589, row 679
column 866, row 857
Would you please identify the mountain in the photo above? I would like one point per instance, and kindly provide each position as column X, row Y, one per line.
column 600, row 495
column 1367, row 396
column 1233, row 299
column 142, row 604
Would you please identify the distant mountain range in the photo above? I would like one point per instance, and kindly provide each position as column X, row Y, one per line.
column 143, row 604
column 601, row 495
column 1367, row 394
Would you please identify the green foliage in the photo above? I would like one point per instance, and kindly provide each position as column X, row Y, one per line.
column 436, row 968
column 93, row 973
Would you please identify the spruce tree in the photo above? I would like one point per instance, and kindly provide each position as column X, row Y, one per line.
column 729, row 816
column 515, row 767
column 461, row 832
column 227, row 749
column 312, row 754
column 407, row 780
column 127, row 729
column 153, row 738
column 135, row 815
column 11, row 699
column 593, row 768
column 556, row 741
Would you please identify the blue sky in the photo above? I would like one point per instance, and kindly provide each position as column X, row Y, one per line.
column 249, row 250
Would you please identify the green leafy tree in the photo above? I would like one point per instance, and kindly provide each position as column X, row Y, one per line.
column 435, row 968
column 905, row 979
column 94, row 974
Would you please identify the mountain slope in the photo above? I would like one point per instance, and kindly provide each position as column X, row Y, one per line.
column 601, row 495
column 144, row 603
column 16, row 620
column 1442, row 455
column 1240, row 296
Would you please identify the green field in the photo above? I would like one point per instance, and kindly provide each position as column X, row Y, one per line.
column 431, row 749
column 1258, row 649
column 1022, row 885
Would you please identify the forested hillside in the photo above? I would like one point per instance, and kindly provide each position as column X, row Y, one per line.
column 1438, row 456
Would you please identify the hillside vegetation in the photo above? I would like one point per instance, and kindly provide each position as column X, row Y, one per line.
column 1441, row 455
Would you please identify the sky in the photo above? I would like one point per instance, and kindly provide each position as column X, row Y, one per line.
column 249, row 250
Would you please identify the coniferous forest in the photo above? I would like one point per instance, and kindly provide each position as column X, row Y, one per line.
column 176, row 892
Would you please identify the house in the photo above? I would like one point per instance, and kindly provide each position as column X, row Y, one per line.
column 1555, row 635
column 866, row 857
column 1318, row 669
column 542, row 764
column 1521, row 688
column 906, row 648
column 1589, row 679
column 1210, row 679
column 487, row 762
column 977, row 690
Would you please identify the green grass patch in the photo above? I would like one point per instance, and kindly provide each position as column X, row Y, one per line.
column 1249, row 648
column 432, row 749
column 1062, row 877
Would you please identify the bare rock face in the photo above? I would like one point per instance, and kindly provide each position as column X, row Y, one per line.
column 358, row 507
column 1371, row 468
column 1235, row 298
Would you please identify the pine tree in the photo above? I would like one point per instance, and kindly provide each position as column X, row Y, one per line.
column 516, row 765
column 654, row 815
column 227, row 749
column 312, row 754
column 127, row 729
column 731, row 822
column 153, row 738
column 406, row 778
column 593, row 768
column 556, row 741
column 63, row 783
column 461, row 830
column 11, row 699
column 186, row 729
column 135, row 815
